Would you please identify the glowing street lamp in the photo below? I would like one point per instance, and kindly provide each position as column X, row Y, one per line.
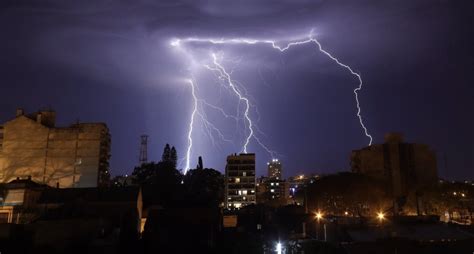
column 319, row 216
column 381, row 216
column 278, row 248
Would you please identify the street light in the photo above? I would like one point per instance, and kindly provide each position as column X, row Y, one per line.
column 278, row 248
column 380, row 216
column 319, row 216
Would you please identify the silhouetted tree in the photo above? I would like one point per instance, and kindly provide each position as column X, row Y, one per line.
column 144, row 172
column 356, row 193
column 166, row 153
column 204, row 186
column 174, row 157
column 200, row 165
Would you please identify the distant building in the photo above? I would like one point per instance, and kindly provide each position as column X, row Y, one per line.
column 299, row 181
column 274, row 169
column 406, row 166
column 272, row 191
column 75, row 156
column 240, row 180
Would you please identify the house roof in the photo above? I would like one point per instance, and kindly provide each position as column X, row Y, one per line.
column 122, row 194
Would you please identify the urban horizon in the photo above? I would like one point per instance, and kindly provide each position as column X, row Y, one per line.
column 223, row 126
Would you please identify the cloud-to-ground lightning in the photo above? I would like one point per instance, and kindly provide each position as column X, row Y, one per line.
column 223, row 74
column 209, row 127
column 191, row 125
column 274, row 44
column 226, row 76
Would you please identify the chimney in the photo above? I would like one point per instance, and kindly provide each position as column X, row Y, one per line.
column 38, row 118
column 19, row 112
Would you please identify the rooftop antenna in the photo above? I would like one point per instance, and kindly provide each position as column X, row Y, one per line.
column 143, row 149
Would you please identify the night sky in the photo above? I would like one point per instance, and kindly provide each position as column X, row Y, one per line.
column 111, row 61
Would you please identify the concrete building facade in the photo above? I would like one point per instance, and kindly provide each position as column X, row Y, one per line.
column 404, row 166
column 240, row 180
column 75, row 156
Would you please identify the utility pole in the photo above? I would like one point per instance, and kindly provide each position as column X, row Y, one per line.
column 143, row 149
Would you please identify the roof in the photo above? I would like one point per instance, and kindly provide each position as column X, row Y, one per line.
column 122, row 194
column 23, row 183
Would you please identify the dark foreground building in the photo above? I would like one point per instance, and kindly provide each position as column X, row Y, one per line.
column 404, row 166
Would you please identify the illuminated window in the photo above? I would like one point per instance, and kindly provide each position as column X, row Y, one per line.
column 240, row 192
column 253, row 191
column 244, row 173
column 244, row 192
column 276, row 184
column 237, row 180
column 272, row 190
column 271, row 184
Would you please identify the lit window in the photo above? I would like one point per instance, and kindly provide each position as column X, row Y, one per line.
column 244, row 173
column 253, row 191
column 244, row 192
column 237, row 180
column 240, row 192
column 276, row 184
column 271, row 184
column 272, row 190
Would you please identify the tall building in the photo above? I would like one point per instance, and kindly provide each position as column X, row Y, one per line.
column 240, row 180
column 404, row 166
column 274, row 169
column 31, row 146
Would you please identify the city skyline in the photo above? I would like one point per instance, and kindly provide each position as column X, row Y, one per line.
column 109, row 65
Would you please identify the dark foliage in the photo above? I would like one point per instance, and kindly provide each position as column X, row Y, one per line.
column 204, row 187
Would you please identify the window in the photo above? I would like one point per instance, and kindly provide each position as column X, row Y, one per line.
column 244, row 173
column 271, row 184
column 276, row 184
column 244, row 192
column 237, row 180
column 272, row 190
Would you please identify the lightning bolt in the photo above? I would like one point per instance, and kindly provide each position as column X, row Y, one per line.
column 223, row 74
column 274, row 45
column 191, row 125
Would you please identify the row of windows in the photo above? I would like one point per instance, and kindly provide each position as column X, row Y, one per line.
column 241, row 192
column 244, row 173
column 234, row 186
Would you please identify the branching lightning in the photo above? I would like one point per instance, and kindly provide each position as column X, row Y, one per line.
column 224, row 75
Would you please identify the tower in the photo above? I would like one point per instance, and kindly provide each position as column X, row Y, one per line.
column 143, row 149
column 274, row 169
